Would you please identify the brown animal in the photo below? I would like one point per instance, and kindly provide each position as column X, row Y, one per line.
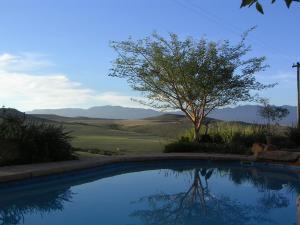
column 258, row 148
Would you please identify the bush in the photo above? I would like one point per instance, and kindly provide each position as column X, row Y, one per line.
column 231, row 132
column 239, row 134
column 45, row 142
column 24, row 141
column 294, row 135
column 231, row 137
column 184, row 146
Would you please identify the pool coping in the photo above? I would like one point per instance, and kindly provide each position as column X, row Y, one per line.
column 24, row 172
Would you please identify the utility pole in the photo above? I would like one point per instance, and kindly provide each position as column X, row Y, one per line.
column 297, row 65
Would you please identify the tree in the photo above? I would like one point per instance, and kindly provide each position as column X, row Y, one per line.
column 273, row 114
column 199, row 204
column 193, row 76
column 259, row 7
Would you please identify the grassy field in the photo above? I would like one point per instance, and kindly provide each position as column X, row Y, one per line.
column 121, row 144
column 107, row 136
column 122, row 136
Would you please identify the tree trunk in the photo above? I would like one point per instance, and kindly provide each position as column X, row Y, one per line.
column 197, row 134
column 197, row 129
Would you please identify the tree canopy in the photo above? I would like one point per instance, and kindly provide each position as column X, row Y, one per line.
column 259, row 7
column 194, row 76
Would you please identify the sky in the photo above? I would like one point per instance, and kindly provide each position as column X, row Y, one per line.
column 56, row 53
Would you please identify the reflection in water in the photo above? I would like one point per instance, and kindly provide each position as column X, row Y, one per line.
column 12, row 212
column 198, row 205
column 198, row 198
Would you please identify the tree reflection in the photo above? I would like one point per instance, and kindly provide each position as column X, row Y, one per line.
column 13, row 212
column 269, row 182
column 199, row 205
column 263, row 179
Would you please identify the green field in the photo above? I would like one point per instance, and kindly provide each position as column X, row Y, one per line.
column 150, row 135
column 121, row 144
column 122, row 136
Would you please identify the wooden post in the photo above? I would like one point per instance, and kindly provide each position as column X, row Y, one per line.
column 297, row 65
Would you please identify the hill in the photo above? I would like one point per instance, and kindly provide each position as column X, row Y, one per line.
column 101, row 135
column 168, row 117
column 249, row 114
column 108, row 112
column 245, row 113
column 128, row 136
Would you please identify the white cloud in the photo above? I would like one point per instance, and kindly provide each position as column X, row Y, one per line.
column 23, row 62
column 26, row 91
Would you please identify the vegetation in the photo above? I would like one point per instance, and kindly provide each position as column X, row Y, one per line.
column 259, row 7
column 186, row 146
column 114, row 145
column 273, row 114
column 148, row 136
column 294, row 135
column 24, row 141
column 195, row 77
column 234, row 138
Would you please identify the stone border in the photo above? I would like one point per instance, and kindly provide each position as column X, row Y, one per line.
column 24, row 172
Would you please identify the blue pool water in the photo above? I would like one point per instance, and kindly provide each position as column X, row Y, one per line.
column 159, row 193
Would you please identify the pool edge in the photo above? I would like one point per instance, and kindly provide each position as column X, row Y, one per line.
column 24, row 172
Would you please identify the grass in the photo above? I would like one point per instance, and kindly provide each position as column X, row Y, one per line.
column 107, row 136
column 121, row 144
column 122, row 136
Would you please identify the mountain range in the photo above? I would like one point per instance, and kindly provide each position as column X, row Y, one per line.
column 244, row 113
column 104, row 112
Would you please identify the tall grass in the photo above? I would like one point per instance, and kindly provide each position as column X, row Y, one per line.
column 232, row 137
column 231, row 132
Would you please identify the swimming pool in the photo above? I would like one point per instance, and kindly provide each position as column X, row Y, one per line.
column 165, row 192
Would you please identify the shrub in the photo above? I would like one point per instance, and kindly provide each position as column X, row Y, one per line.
column 183, row 146
column 24, row 141
column 294, row 135
column 45, row 142
column 231, row 137
column 231, row 133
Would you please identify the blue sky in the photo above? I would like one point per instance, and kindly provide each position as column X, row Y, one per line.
column 55, row 53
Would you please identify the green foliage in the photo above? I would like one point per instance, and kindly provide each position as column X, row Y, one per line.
column 259, row 7
column 272, row 114
column 23, row 141
column 230, row 137
column 231, row 133
column 195, row 147
column 194, row 76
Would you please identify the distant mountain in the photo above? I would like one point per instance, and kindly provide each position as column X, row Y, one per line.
column 245, row 113
column 106, row 112
column 249, row 114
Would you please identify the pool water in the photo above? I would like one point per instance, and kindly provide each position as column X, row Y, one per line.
column 160, row 193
